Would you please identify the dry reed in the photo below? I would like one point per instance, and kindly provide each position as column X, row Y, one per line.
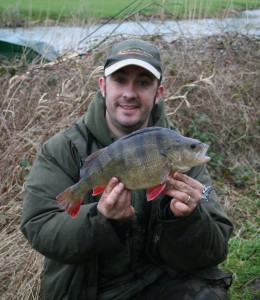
column 212, row 89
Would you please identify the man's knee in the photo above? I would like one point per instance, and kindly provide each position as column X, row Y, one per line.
column 195, row 288
column 188, row 287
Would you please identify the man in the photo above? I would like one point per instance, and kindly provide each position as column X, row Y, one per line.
column 120, row 246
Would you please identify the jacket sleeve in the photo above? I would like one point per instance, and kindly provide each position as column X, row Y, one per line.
column 197, row 241
column 48, row 228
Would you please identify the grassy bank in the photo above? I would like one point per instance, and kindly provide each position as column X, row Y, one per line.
column 31, row 12
column 212, row 93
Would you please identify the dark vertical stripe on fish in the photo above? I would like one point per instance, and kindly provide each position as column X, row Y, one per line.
column 121, row 152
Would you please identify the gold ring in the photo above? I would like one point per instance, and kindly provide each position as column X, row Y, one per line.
column 188, row 200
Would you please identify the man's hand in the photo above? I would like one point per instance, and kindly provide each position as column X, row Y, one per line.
column 115, row 202
column 185, row 192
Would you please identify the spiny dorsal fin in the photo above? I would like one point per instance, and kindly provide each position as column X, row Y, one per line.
column 141, row 131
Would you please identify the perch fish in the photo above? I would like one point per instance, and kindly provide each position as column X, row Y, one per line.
column 141, row 160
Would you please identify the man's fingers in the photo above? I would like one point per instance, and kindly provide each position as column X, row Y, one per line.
column 179, row 209
column 115, row 202
column 188, row 180
column 112, row 183
column 185, row 193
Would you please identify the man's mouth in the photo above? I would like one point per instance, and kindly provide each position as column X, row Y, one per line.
column 128, row 107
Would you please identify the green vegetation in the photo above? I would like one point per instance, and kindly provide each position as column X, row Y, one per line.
column 243, row 262
column 212, row 92
column 17, row 13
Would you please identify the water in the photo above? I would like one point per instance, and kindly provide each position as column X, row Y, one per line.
column 64, row 38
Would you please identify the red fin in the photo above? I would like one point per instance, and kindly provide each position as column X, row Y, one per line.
column 74, row 210
column 98, row 190
column 69, row 202
column 155, row 191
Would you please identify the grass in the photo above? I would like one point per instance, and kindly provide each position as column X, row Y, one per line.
column 243, row 260
column 19, row 13
column 212, row 92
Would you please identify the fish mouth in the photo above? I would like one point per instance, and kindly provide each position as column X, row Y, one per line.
column 201, row 156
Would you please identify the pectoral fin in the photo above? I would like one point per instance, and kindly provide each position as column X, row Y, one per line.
column 166, row 171
column 155, row 191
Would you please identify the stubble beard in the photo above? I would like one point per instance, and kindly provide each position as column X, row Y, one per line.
column 126, row 129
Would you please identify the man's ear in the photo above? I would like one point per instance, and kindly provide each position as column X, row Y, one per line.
column 102, row 85
column 159, row 93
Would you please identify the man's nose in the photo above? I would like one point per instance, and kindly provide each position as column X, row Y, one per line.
column 130, row 91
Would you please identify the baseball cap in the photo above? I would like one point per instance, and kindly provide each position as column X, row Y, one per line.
column 134, row 52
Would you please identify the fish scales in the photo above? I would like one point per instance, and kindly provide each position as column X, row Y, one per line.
column 130, row 161
column 131, row 155
column 140, row 160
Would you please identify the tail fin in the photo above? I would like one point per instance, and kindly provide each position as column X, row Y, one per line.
column 70, row 201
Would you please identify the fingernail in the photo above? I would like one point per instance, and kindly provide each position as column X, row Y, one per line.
column 121, row 185
column 175, row 175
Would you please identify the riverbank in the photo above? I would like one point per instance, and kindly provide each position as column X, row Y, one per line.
column 32, row 13
column 67, row 39
column 212, row 93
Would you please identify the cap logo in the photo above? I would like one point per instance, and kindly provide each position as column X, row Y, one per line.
column 134, row 51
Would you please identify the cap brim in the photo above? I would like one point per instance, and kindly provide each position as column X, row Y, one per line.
column 131, row 61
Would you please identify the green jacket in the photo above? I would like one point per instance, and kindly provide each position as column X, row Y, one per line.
column 90, row 250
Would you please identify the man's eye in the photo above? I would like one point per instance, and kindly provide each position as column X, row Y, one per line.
column 120, row 79
column 144, row 82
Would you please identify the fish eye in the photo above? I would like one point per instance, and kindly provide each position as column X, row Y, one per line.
column 193, row 146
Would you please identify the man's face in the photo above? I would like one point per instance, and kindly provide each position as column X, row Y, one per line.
column 130, row 94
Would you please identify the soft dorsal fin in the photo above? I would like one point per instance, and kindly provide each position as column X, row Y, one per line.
column 92, row 157
column 88, row 161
